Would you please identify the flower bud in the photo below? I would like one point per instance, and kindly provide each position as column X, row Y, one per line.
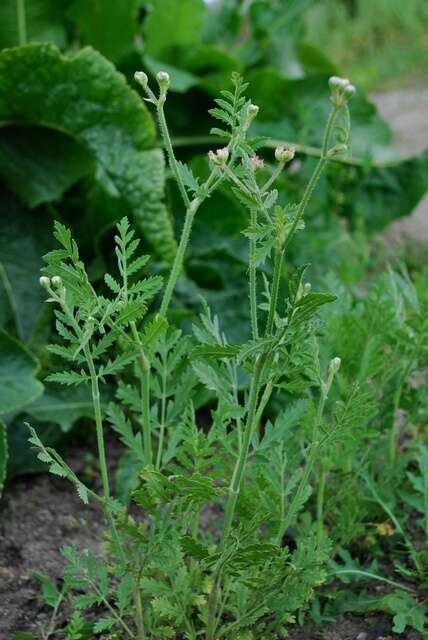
column 163, row 80
column 335, row 365
column 341, row 90
column 257, row 163
column 349, row 91
column 252, row 111
column 283, row 154
column 56, row 282
column 219, row 157
column 334, row 82
column 307, row 288
column 44, row 282
column 141, row 78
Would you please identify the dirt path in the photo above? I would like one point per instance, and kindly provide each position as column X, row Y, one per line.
column 407, row 113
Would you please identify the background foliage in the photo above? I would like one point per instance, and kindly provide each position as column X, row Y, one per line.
column 77, row 144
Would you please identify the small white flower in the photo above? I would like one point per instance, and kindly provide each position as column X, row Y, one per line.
column 45, row 282
column 56, row 282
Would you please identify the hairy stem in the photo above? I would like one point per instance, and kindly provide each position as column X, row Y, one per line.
column 276, row 280
column 179, row 257
column 320, row 501
column 170, row 151
column 253, row 280
column 98, row 422
column 145, row 397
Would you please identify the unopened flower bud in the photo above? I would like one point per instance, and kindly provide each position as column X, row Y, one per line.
column 44, row 282
column 334, row 82
column 257, row 162
column 335, row 365
column 307, row 288
column 283, row 154
column 56, row 282
column 349, row 91
column 141, row 78
column 220, row 156
column 252, row 112
column 163, row 80
column 341, row 90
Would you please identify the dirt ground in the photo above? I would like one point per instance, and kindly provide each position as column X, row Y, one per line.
column 407, row 113
column 39, row 514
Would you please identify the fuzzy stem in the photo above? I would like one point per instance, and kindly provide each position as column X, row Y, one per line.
column 320, row 501
column 238, row 472
column 315, row 447
column 145, row 397
column 276, row 280
column 316, row 174
column 179, row 257
column 170, row 151
column 98, row 422
column 21, row 22
column 253, row 280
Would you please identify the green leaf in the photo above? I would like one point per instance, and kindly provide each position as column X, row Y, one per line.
column 68, row 378
column 44, row 22
column 104, row 624
column 39, row 164
column 63, row 406
column 171, row 25
column 85, row 97
column 110, row 26
column 3, row 454
column 50, row 593
column 18, row 368
column 24, row 238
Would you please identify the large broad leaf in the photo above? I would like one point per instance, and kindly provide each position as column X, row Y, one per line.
column 24, row 239
column 39, row 164
column 172, row 25
column 84, row 96
column 18, row 384
column 63, row 406
column 43, row 20
column 109, row 26
column 3, row 454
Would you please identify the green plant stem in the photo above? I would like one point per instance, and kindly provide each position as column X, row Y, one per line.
column 320, row 501
column 21, row 22
column 209, row 185
column 316, row 174
column 145, row 396
column 162, row 423
column 238, row 472
column 253, row 280
column 179, row 257
column 139, row 614
column 276, row 281
column 98, row 422
column 313, row 454
column 170, row 151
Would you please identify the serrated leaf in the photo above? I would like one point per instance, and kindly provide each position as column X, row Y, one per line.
column 187, row 176
column 68, row 378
